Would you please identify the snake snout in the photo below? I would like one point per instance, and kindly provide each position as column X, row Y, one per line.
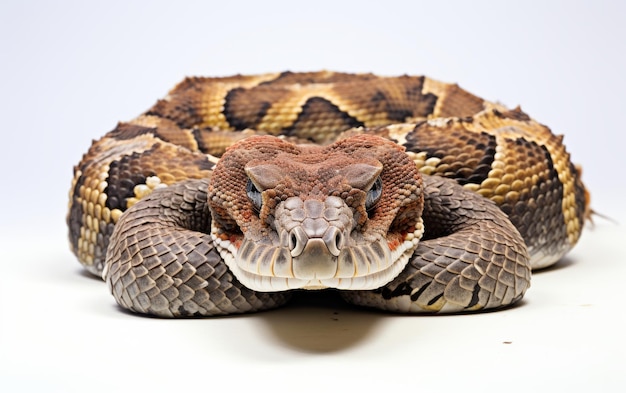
column 332, row 240
column 315, row 243
column 315, row 257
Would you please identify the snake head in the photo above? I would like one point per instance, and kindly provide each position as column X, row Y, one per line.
column 346, row 215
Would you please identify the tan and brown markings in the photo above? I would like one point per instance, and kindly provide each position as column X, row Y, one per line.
column 498, row 153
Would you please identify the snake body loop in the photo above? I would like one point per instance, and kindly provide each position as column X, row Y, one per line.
column 405, row 193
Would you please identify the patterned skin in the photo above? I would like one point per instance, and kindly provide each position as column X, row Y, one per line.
column 221, row 219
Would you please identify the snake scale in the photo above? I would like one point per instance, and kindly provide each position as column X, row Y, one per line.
column 404, row 193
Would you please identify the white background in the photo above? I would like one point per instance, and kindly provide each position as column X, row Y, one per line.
column 71, row 69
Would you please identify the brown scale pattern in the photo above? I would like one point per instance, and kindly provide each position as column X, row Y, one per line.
column 463, row 156
column 458, row 103
column 318, row 119
column 535, row 208
column 244, row 110
column 280, row 106
column 104, row 184
column 499, row 153
column 388, row 100
column 515, row 173
column 507, row 157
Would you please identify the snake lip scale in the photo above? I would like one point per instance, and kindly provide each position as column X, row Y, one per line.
column 405, row 193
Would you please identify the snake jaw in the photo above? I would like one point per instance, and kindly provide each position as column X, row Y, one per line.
column 315, row 252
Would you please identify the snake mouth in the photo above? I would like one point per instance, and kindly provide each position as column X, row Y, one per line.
column 320, row 263
column 344, row 216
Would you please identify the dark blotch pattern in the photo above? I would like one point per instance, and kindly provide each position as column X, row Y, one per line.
column 243, row 111
column 318, row 112
column 465, row 157
column 122, row 179
column 171, row 268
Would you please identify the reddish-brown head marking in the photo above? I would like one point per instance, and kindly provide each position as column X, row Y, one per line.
column 361, row 197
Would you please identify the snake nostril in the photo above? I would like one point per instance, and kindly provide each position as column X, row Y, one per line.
column 339, row 240
column 334, row 240
column 297, row 241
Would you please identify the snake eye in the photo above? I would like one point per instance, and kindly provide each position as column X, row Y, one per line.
column 254, row 195
column 373, row 194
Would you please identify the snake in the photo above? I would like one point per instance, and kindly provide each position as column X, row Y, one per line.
column 401, row 193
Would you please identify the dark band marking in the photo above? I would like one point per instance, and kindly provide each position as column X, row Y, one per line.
column 515, row 114
column 199, row 136
column 537, row 213
column 422, row 104
column 242, row 110
column 480, row 150
column 435, row 299
column 318, row 111
column 125, row 131
column 397, row 99
column 166, row 130
column 201, row 164
column 417, row 105
column 122, row 178
column 579, row 194
column 75, row 221
column 459, row 103
column 419, row 293
column 474, row 300
column 182, row 109
column 404, row 289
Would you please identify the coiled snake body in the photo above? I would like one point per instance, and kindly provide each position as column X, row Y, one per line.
column 405, row 193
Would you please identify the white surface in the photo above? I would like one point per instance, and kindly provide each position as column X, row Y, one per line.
column 71, row 70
